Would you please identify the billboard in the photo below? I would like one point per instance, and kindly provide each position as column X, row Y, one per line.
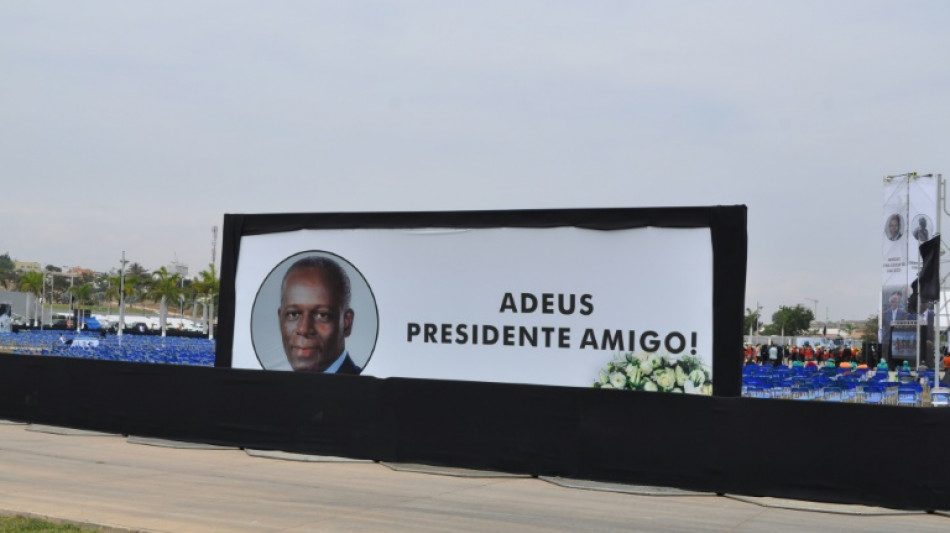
column 627, row 307
column 908, row 220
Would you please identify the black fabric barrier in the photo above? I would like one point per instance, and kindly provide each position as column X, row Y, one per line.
column 874, row 455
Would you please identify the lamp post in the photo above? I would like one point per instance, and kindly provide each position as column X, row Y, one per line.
column 43, row 302
column 815, row 314
column 52, row 287
column 122, row 295
column 755, row 322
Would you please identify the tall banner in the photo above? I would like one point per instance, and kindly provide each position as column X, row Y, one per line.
column 908, row 220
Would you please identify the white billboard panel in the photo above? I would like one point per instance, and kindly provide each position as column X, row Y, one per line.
column 568, row 306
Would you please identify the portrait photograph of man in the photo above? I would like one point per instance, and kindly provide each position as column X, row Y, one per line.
column 321, row 316
column 922, row 227
column 894, row 228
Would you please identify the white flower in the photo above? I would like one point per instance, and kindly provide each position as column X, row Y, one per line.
column 680, row 376
column 665, row 379
column 697, row 377
column 655, row 371
column 647, row 365
column 618, row 380
column 634, row 375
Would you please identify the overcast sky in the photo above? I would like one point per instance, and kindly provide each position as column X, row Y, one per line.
column 136, row 125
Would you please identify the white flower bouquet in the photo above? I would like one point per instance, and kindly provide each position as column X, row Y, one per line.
column 656, row 373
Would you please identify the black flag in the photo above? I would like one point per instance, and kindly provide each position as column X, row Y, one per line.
column 928, row 279
column 930, row 271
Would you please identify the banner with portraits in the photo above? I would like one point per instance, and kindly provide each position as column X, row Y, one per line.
column 627, row 308
column 908, row 220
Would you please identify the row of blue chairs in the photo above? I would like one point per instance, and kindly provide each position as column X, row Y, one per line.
column 835, row 384
column 129, row 348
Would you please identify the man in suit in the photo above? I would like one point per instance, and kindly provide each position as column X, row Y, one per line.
column 894, row 231
column 892, row 313
column 315, row 317
column 922, row 233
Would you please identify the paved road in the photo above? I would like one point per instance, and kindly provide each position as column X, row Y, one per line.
column 126, row 486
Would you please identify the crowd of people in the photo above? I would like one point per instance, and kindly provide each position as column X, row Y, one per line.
column 807, row 355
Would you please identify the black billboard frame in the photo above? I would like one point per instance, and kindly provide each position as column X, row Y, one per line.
column 727, row 225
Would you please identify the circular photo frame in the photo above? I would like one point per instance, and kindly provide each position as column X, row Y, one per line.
column 266, row 330
column 894, row 227
column 922, row 228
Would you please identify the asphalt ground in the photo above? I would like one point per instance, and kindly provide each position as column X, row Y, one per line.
column 119, row 483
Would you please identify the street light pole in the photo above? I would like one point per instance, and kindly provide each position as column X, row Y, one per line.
column 43, row 301
column 815, row 314
column 122, row 296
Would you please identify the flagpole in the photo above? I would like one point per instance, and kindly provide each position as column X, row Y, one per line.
column 919, row 315
column 906, row 236
column 936, row 332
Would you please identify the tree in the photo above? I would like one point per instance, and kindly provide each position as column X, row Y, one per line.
column 6, row 263
column 8, row 276
column 792, row 320
column 82, row 294
column 32, row 282
column 869, row 329
column 136, row 271
column 164, row 286
column 208, row 285
column 849, row 328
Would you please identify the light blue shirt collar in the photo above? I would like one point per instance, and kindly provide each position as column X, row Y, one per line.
column 336, row 364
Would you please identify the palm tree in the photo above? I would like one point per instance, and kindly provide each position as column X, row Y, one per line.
column 849, row 328
column 208, row 285
column 83, row 295
column 112, row 290
column 32, row 282
column 164, row 286
column 136, row 271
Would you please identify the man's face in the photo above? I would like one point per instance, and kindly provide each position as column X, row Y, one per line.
column 894, row 226
column 313, row 324
column 894, row 302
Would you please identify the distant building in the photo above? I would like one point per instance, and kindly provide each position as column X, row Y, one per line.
column 27, row 266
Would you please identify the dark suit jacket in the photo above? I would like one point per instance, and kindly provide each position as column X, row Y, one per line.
column 349, row 367
column 901, row 315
